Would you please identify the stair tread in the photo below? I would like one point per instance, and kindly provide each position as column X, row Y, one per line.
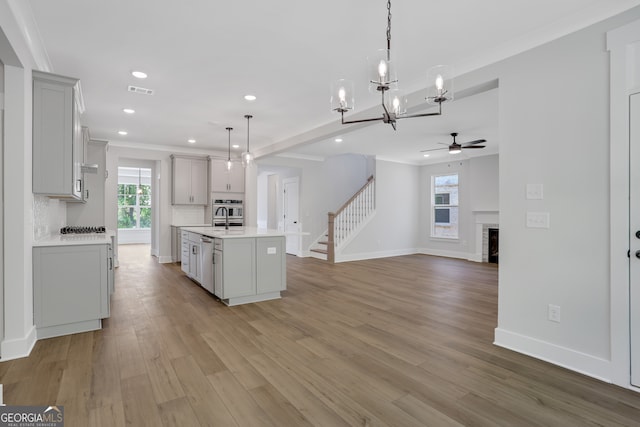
column 323, row 242
column 320, row 251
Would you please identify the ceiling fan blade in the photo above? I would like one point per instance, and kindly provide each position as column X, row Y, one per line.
column 477, row 141
column 434, row 149
column 472, row 146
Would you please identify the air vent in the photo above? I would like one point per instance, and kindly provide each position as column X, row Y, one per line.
column 140, row 90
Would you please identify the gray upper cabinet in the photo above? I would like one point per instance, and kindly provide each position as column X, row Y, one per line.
column 58, row 149
column 189, row 185
column 225, row 181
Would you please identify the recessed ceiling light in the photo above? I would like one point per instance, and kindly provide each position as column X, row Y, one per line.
column 122, row 132
column 129, row 110
column 235, row 146
column 139, row 74
column 250, row 97
column 191, row 141
column 427, row 155
column 338, row 140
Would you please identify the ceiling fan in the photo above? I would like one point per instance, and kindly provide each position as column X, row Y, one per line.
column 455, row 148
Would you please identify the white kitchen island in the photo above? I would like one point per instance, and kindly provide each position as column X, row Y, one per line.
column 241, row 265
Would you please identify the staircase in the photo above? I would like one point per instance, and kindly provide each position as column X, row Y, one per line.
column 344, row 223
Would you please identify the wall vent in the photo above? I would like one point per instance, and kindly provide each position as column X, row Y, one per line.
column 140, row 90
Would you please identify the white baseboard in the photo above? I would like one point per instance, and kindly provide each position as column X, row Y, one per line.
column 573, row 360
column 21, row 347
column 165, row 259
column 374, row 255
column 447, row 254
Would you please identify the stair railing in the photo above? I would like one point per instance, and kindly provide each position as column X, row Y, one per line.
column 349, row 216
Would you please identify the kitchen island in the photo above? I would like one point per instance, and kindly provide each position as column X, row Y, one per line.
column 240, row 265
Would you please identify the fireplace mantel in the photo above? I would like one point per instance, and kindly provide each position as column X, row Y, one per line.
column 484, row 219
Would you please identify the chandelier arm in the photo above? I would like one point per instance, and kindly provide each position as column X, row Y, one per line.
column 348, row 122
column 439, row 113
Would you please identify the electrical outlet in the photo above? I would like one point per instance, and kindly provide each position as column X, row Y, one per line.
column 553, row 313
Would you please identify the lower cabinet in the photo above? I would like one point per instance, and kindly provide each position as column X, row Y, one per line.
column 191, row 262
column 249, row 269
column 71, row 288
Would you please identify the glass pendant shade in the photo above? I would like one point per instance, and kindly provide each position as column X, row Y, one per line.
column 342, row 96
column 439, row 84
column 396, row 102
column 229, row 165
column 382, row 71
column 247, row 158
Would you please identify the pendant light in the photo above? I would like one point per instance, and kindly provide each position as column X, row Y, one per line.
column 247, row 156
column 383, row 79
column 229, row 163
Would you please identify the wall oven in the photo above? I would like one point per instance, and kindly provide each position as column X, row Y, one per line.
column 220, row 208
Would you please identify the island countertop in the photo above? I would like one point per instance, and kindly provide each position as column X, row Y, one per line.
column 75, row 239
column 234, row 232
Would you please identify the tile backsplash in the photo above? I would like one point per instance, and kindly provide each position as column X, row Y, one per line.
column 49, row 216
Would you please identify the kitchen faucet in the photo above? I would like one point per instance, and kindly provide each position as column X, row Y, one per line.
column 226, row 216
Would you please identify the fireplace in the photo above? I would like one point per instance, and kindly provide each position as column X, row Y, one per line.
column 492, row 245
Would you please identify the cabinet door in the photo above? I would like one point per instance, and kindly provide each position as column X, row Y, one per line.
column 236, row 178
column 181, row 190
column 271, row 269
column 199, row 182
column 53, row 108
column 71, row 284
column 219, row 176
column 78, row 154
column 239, row 273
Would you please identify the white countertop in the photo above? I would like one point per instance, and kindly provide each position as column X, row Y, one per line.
column 75, row 239
column 191, row 225
column 234, row 232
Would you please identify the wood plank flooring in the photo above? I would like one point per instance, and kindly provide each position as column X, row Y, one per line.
column 404, row 341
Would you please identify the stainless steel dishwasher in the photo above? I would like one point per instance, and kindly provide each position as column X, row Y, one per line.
column 207, row 263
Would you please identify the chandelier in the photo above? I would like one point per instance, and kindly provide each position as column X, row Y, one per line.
column 383, row 79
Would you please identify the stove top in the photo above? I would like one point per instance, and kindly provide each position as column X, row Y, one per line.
column 83, row 229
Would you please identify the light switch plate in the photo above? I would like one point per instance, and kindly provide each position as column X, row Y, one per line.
column 537, row 219
column 271, row 250
column 534, row 191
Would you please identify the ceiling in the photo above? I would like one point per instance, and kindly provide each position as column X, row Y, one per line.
column 202, row 59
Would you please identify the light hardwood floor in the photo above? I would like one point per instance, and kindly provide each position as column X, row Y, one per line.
column 404, row 341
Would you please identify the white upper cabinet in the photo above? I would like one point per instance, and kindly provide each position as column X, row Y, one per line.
column 58, row 150
column 225, row 181
column 189, row 180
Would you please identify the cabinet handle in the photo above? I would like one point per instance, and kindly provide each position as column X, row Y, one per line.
column 110, row 263
column 78, row 185
column 87, row 195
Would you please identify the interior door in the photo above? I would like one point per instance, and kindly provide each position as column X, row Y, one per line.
column 634, row 236
column 290, row 210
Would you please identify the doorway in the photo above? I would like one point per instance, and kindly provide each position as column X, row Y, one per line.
column 634, row 236
column 290, row 210
column 134, row 205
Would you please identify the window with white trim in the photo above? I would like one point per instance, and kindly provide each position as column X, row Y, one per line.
column 134, row 198
column 444, row 206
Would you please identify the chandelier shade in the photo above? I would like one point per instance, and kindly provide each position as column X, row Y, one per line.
column 342, row 96
column 440, row 81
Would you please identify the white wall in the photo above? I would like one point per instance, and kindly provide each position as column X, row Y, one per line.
column 563, row 143
column 345, row 175
column 313, row 192
column 393, row 229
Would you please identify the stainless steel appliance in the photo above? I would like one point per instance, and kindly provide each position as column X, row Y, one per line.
column 227, row 209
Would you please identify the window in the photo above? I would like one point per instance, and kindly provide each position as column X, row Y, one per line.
column 134, row 198
column 444, row 206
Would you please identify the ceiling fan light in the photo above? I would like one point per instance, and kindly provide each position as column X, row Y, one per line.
column 439, row 84
column 342, row 96
column 455, row 150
